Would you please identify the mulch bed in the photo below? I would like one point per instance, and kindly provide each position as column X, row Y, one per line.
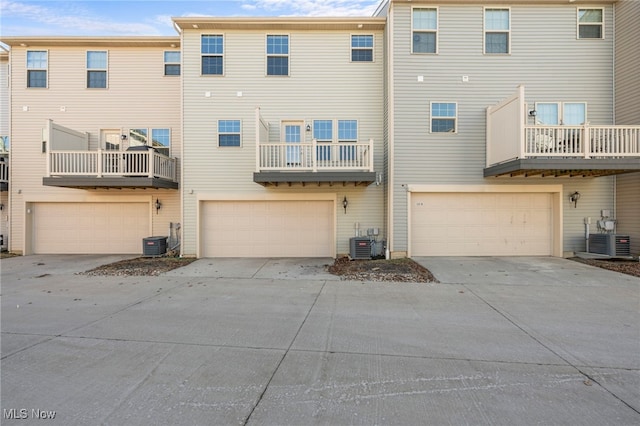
column 399, row 270
column 141, row 266
column 629, row 267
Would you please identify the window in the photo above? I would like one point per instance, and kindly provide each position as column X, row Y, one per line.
column 496, row 30
column 171, row 63
column 277, row 55
column 564, row 113
column 228, row 132
column 444, row 117
column 138, row 137
column 323, row 134
column 212, row 48
column 161, row 140
column 97, row 69
column 37, row 64
column 590, row 23
column 348, row 133
column 425, row 29
column 362, row 48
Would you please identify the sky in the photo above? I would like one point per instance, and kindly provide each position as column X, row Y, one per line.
column 151, row 17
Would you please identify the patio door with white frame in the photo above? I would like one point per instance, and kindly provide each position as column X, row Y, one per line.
column 292, row 132
column 111, row 141
column 561, row 113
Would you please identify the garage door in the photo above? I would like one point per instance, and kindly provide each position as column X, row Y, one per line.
column 482, row 224
column 89, row 228
column 267, row 229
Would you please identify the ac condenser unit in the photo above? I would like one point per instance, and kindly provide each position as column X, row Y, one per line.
column 610, row 244
column 359, row 248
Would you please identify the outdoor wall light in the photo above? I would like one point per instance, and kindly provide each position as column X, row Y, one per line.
column 158, row 205
column 345, row 203
column 533, row 113
column 573, row 198
column 123, row 137
column 1, row 207
column 308, row 127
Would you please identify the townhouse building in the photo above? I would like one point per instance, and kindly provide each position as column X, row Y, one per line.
column 627, row 110
column 497, row 114
column 81, row 110
column 4, row 149
column 283, row 133
column 451, row 128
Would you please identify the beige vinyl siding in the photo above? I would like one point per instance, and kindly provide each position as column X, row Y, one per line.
column 628, row 209
column 4, row 95
column 546, row 58
column 138, row 95
column 323, row 84
column 627, row 62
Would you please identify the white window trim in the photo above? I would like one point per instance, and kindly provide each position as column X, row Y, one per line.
column 165, row 63
column 169, row 148
column 561, row 110
column 337, row 133
column 484, row 31
column 224, row 49
column 372, row 48
column 436, row 31
column 87, row 69
column 431, row 117
column 333, row 129
column 578, row 9
column 267, row 55
column 26, row 59
column 218, row 133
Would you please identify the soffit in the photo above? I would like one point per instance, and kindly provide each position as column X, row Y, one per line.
column 92, row 41
column 278, row 23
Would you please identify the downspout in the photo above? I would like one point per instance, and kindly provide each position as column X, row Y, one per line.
column 390, row 134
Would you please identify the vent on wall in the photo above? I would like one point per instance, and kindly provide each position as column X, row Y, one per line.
column 359, row 248
column 610, row 244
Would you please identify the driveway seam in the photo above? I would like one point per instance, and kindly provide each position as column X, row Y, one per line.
column 275, row 371
column 569, row 363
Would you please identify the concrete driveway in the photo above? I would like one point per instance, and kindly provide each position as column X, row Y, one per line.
column 280, row 341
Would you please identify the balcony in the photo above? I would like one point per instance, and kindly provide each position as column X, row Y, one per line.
column 71, row 164
column 311, row 162
column 517, row 149
column 105, row 169
column 4, row 173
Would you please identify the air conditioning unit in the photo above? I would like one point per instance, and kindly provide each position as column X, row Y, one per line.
column 610, row 244
column 359, row 248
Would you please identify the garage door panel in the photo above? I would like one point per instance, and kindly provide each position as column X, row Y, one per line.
column 481, row 224
column 89, row 228
column 267, row 229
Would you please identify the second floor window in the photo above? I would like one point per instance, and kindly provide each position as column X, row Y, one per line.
column 425, row 30
column 97, row 69
column 229, row 133
column 590, row 23
column 277, row 55
column 212, row 49
column 37, row 63
column 171, row 63
column 362, row 48
column 444, row 117
column 160, row 139
column 497, row 27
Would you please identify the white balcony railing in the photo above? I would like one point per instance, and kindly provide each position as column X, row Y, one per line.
column 314, row 156
column 111, row 164
column 4, row 172
column 582, row 141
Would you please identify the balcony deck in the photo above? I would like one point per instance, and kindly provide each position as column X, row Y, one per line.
column 110, row 169
column 515, row 149
column 314, row 163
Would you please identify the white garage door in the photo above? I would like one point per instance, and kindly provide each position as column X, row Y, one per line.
column 481, row 224
column 267, row 229
column 89, row 228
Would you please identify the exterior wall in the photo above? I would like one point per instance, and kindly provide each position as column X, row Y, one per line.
column 628, row 112
column 138, row 95
column 553, row 66
column 628, row 209
column 4, row 94
column 323, row 84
